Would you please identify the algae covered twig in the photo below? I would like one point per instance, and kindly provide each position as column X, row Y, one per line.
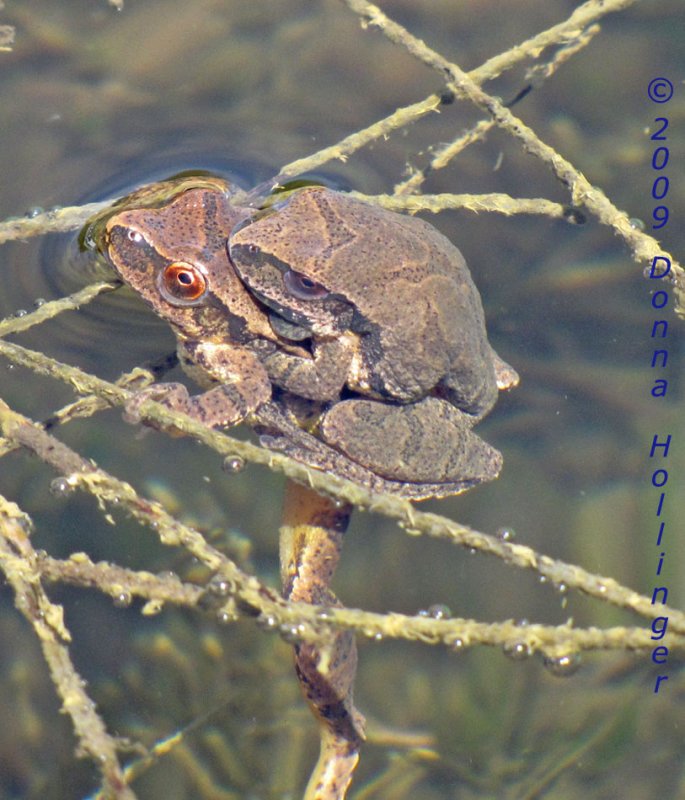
column 19, row 562
column 495, row 202
column 582, row 192
column 445, row 153
column 7, row 34
column 79, row 472
column 59, row 220
column 411, row 519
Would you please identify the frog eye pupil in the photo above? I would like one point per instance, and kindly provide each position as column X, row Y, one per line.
column 182, row 284
column 134, row 236
column 302, row 287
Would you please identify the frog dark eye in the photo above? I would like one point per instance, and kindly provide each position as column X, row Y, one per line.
column 302, row 287
column 182, row 284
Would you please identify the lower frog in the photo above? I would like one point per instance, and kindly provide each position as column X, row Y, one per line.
column 167, row 242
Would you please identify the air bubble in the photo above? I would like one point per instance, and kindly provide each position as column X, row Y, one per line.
column 439, row 611
column 233, row 464
column 221, row 588
column 506, row 534
column 563, row 666
column 292, row 633
column 457, row 644
column 33, row 212
column 123, row 599
column 518, row 651
column 61, row 487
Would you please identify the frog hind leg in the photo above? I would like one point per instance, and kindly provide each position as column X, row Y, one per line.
column 430, row 442
column 311, row 539
column 280, row 432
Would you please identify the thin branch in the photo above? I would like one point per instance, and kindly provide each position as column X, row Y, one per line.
column 495, row 202
column 553, row 640
column 536, row 75
column 415, row 522
column 583, row 193
column 83, row 474
column 52, row 308
column 58, row 220
column 19, row 562
column 564, row 32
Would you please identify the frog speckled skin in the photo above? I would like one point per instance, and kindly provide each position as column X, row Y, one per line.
column 283, row 365
column 393, row 315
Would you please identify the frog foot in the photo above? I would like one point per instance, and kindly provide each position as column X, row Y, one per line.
column 220, row 407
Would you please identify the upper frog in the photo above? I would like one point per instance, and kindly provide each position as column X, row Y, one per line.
column 392, row 292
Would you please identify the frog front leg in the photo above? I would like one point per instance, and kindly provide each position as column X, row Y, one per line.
column 426, row 442
column 321, row 377
column 239, row 384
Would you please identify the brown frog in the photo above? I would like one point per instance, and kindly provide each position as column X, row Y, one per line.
column 393, row 315
column 168, row 242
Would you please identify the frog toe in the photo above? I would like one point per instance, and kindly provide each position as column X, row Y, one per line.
column 173, row 395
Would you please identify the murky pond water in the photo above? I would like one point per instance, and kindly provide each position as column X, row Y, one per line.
column 96, row 101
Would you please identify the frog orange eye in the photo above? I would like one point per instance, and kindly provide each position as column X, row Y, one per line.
column 302, row 287
column 182, row 284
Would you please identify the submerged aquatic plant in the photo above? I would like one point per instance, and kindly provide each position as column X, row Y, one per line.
column 215, row 581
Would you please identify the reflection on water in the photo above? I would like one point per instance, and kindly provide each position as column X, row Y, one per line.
column 96, row 101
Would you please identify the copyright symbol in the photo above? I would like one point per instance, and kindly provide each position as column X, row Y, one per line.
column 660, row 90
